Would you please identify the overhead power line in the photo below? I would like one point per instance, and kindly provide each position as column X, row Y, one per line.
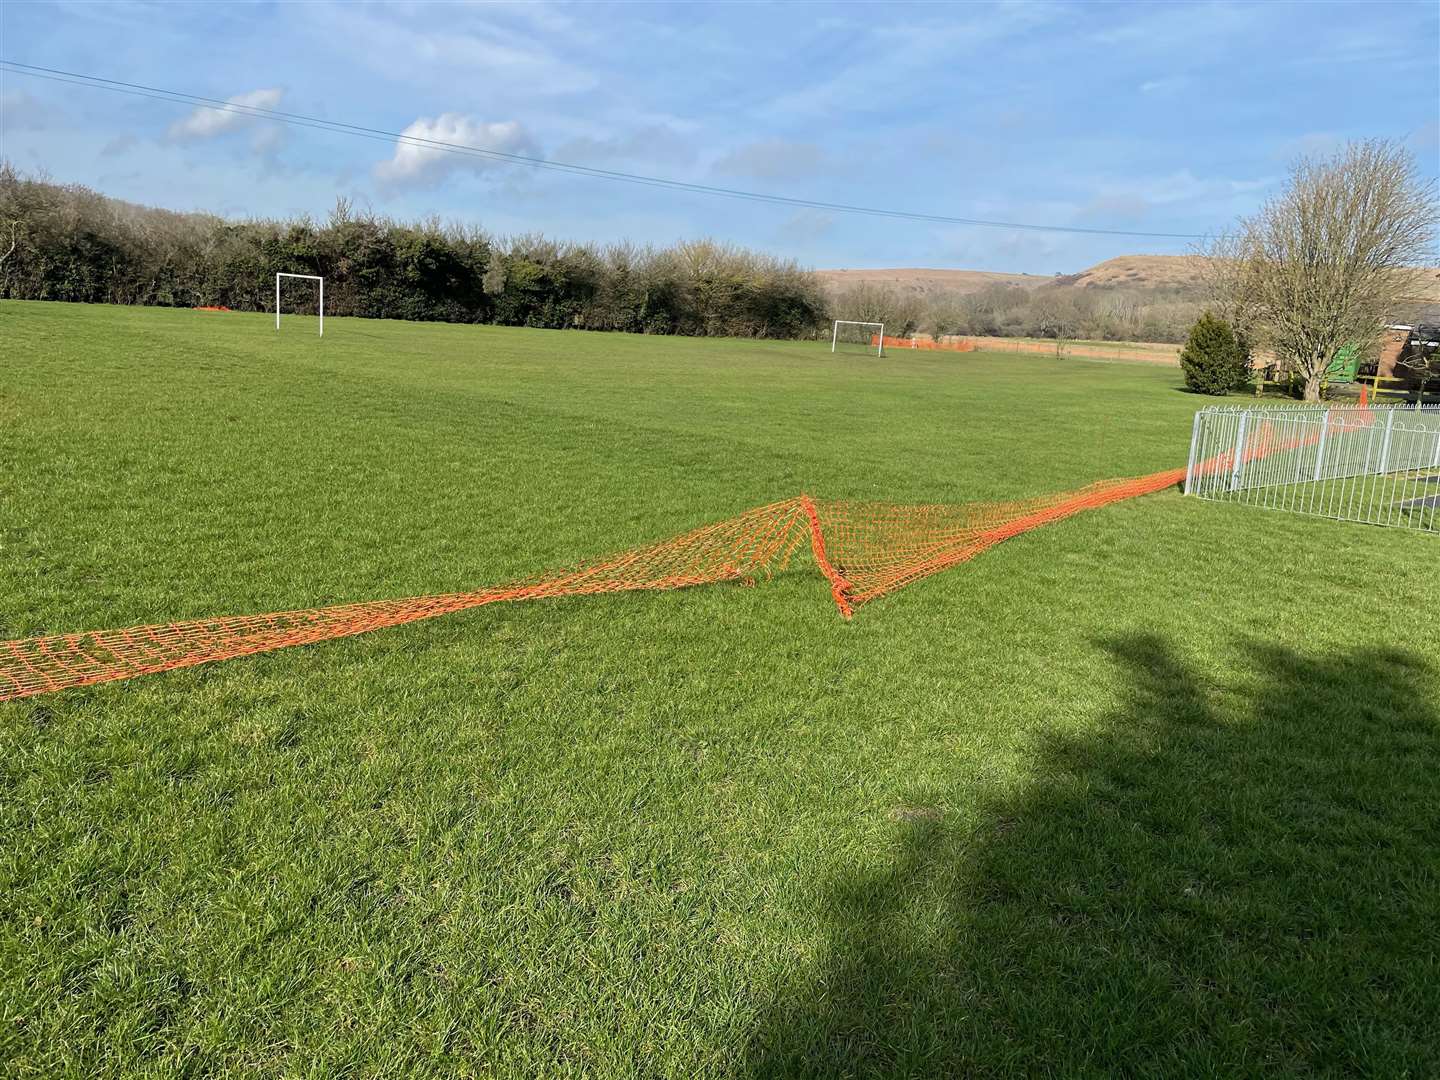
column 525, row 161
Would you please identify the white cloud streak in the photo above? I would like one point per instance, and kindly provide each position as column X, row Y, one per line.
column 205, row 123
column 773, row 159
column 414, row 165
column 20, row 111
column 466, row 44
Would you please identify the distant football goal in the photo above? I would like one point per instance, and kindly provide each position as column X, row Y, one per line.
column 850, row 336
column 302, row 277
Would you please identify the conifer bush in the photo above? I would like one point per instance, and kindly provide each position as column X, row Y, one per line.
column 1215, row 358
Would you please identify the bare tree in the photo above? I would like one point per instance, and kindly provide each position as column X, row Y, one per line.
column 1324, row 263
column 14, row 240
column 493, row 280
column 867, row 301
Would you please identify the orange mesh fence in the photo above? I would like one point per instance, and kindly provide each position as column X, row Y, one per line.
column 1267, row 441
column 926, row 343
column 865, row 550
column 740, row 548
column 870, row 549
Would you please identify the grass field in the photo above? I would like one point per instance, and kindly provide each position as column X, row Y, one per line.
column 1072, row 349
column 1119, row 346
column 1153, row 791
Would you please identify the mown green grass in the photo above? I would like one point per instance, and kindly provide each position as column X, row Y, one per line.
column 1152, row 791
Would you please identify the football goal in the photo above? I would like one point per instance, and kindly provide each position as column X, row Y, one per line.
column 862, row 336
column 302, row 277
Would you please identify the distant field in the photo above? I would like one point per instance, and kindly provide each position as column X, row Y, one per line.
column 1140, row 351
column 1149, row 791
column 1123, row 346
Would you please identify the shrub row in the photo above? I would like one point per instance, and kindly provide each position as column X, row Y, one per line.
column 77, row 245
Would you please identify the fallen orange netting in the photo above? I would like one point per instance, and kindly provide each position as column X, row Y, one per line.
column 865, row 550
column 931, row 344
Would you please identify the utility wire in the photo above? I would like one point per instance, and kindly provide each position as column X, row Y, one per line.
column 522, row 160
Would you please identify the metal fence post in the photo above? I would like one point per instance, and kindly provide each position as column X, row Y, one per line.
column 1239, row 452
column 1320, row 450
column 1385, row 442
column 1190, row 462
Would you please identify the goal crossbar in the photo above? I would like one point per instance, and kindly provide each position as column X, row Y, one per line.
column 879, row 334
column 302, row 277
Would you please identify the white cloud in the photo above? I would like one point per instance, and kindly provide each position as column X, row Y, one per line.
column 1150, row 201
column 652, row 143
column 205, row 123
column 991, row 249
column 268, row 140
column 805, row 228
column 859, row 84
column 1164, row 86
column 773, row 159
column 1184, row 186
column 20, row 111
column 1116, row 207
column 415, row 165
column 469, row 44
column 1179, row 29
column 120, row 144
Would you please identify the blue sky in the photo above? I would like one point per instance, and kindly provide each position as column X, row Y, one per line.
column 1155, row 117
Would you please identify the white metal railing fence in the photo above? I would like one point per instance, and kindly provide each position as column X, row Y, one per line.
column 1375, row 464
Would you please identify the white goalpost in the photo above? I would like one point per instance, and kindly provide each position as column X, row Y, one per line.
column 303, row 277
column 869, row 334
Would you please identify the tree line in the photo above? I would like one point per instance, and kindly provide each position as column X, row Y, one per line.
column 77, row 245
column 1047, row 311
column 1324, row 264
column 1343, row 249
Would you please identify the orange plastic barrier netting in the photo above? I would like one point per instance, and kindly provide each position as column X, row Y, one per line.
column 865, row 550
column 915, row 343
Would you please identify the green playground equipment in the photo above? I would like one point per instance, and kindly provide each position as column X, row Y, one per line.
column 1345, row 368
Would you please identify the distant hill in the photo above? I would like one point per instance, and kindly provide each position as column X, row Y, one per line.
column 1130, row 271
column 1139, row 272
column 1178, row 273
column 1150, row 298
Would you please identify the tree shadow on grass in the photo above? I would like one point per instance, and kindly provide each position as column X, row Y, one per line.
column 1217, row 880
